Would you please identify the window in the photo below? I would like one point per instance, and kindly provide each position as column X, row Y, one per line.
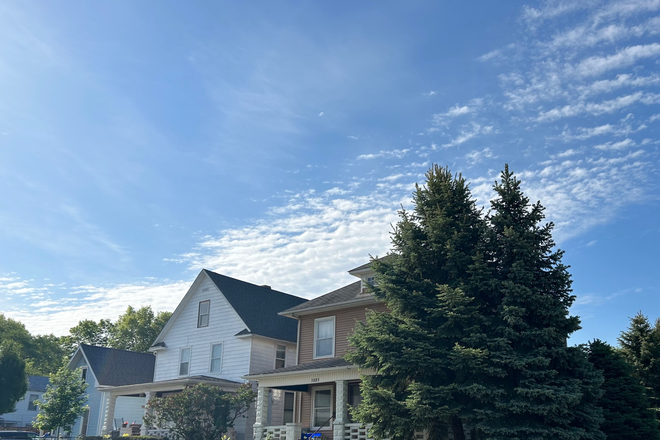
column 216, row 358
column 354, row 398
column 324, row 337
column 31, row 405
column 280, row 356
column 288, row 408
column 321, row 407
column 203, row 314
column 184, row 362
column 83, row 373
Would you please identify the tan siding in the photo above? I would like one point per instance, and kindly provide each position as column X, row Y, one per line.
column 306, row 413
column 344, row 325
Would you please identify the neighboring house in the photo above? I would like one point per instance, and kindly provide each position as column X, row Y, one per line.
column 222, row 330
column 322, row 384
column 26, row 411
column 108, row 367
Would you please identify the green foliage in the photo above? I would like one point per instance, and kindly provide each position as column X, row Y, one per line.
column 42, row 354
column 13, row 377
column 423, row 348
column 479, row 324
column 135, row 330
column 63, row 402
column 201, row 412
column 625, row 404
column 535, row 386
column 640, row 345
column 133, row 437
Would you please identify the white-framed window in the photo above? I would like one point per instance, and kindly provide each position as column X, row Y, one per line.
column 184, row 361
column 289, row 399
column 216, row 358
column 83, row 373
column 280, row 356
column 203, row 313
column 324, row 337
column 31, row 405
column 321, row 407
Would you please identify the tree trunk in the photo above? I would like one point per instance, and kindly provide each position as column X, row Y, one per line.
column 473, row 434
column 457, row 428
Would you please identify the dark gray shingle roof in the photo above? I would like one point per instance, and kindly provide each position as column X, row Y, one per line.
column 119, row 367
column 37, row 383
column 314, row 365
column 343, row 294
column 258, row 306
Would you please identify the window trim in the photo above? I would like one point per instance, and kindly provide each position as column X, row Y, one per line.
column 332, row 407
column 276, row 358
column 293, row 407
column 84, row 371
column 334, row 336
column 31, row 405
column 199, row 314
column 180, row 361
column 222, row 357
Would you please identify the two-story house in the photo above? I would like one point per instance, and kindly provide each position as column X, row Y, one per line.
column 25, row 411
column 223, row 329
column 319, row 389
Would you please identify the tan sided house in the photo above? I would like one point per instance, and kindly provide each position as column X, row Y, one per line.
column 318, row 390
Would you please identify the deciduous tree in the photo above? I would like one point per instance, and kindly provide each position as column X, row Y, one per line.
column 201, row 412
column 13, row 377
column 63, row 402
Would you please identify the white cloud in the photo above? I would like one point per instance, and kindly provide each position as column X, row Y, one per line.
column 621, row 145
column 596, row 65
column 398, row 154
column 468, row 133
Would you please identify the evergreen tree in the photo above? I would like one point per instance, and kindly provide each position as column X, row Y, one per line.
column 640, row 344
column 63, row 402
column 13, row 377
column 535, row 387
column 422, row 349
column 625, row 406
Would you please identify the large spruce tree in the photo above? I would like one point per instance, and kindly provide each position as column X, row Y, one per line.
column 626, row 411
column 535, row 386
column 418, row 349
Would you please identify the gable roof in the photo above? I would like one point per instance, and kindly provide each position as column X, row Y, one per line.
column 258, row 307
column 37, row 383
column 346, row 296
column 119, row 367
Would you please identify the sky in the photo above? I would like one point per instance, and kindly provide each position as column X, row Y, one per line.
column 274, row 142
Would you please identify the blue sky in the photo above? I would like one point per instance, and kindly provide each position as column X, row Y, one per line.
column 273, row 142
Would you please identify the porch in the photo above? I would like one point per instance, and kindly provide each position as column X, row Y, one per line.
column 321, row 393
column 145, row 391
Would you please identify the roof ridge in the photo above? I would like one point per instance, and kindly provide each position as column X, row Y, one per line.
column 115, row 349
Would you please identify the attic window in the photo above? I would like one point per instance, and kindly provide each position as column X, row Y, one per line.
column 203, row 314
column 83, row 373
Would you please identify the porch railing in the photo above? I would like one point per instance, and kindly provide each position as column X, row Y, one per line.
column 158, row 432
column 358, row 431
column 276, row 432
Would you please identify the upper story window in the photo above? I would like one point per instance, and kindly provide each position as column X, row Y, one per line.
column 184, row 361
column 280, row 356
column 324, row 337
column 83, row 373
column 216, row 358
column 31, row 404
column 203, row 313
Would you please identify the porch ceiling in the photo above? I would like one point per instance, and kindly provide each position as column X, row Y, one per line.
column 170, row 385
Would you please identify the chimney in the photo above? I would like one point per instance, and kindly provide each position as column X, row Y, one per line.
column 266, row 286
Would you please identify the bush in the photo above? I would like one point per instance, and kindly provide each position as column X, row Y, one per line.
column 134, row 437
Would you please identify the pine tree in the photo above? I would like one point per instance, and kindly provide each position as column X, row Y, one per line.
column 626, row 411
column 640, row 344
column 422, row 349
column 535, row 386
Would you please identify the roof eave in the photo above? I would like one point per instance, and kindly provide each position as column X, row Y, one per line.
column 330, row 307
column 297, row 372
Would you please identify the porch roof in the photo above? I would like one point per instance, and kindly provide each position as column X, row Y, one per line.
column 314, row 365
column 171, row 385
column 309, row 374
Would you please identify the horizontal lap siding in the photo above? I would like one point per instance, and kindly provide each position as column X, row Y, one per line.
column 345, row 320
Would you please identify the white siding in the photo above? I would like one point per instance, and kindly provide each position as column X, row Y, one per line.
column 263, row 354
column 22, row 416
column 224, row 323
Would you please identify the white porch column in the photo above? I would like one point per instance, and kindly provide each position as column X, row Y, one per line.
column 109, row 414
column 147, row 397
column 262, row 413
column 341, row 409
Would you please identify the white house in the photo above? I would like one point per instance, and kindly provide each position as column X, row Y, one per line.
column 26, row 411
column 222, row 330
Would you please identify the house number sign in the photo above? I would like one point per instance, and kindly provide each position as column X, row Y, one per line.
column 315, row 379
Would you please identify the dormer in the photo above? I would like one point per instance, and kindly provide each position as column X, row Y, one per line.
column 366, row 276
